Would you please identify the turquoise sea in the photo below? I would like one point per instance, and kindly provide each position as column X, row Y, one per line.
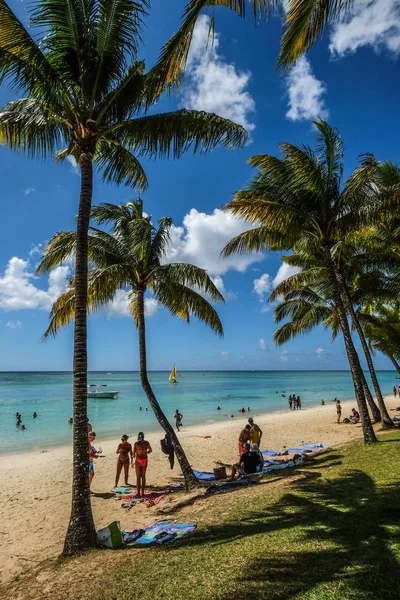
column 197, row 396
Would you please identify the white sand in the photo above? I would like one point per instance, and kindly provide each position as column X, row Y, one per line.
column 35, row 491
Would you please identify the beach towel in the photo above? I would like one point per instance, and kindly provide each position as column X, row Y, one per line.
column 202, row 475
column 150, row 499
column 315, row 446
column 122, row 490
column 162, row 532
column 111, row 536
column 269, row 452
column 286, row 465
column 299, row 450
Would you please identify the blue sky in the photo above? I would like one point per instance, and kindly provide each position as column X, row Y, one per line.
column 350, row 78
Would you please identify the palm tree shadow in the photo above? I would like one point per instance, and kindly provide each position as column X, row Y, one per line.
column 345, row 533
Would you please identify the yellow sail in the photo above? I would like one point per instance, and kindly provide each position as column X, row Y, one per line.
column 172, row 376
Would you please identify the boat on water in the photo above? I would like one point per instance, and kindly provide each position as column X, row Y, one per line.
column 94, row 391
column 172, row 377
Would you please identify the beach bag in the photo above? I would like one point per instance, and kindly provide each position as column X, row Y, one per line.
column 111, row 536
column 220, row 473
column 166, row 444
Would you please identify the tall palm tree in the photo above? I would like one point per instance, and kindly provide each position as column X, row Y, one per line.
column 132, row 256
column 300, row 199
column 86, row 95
column 381, row 323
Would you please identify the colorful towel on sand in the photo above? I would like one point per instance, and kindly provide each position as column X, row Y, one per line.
column 286, row 465
column 150, row 498
column 122, row 490
column 162, row 532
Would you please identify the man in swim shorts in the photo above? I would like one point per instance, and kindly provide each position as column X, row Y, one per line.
column 140, row 451
column 244, row 437
column 125, row 456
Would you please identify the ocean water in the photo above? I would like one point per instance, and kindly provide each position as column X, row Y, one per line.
column 197, row 396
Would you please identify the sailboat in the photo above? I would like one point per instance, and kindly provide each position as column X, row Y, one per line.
column 172, row 376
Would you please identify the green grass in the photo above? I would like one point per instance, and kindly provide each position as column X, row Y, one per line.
column 334, row 535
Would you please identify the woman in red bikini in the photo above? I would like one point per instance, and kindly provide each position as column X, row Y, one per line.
column 140, row 451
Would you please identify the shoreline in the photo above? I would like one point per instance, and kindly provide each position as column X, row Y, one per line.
column 107, row 438
column 37, row 497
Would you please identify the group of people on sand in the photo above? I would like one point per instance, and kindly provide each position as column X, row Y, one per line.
column 294, row 402
column 354, row 418
column 135, row 457
column 19, row 423
column 251, row 459
column 396, row 390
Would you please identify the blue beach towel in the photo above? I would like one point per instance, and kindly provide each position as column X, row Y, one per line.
column 202, row 475
column 269, row 452
column 299, row 450
column 269, row 468
column 315, row 446
column 122, row 490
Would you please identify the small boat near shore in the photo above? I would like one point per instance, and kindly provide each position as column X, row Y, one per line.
column 94, row 391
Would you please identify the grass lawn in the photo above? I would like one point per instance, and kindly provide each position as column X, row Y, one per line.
column 333, row 534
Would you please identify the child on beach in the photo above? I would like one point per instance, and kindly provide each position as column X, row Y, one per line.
column 92, row 455
column 141, row 449
column 125, row 451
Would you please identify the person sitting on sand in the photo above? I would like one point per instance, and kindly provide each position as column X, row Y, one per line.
column 248, row 463
column 178, row 419
column 355, row 416
column 141, row 449
column 125, row 451
column 256, row 449
column 338, row 411
column 244, row 437
column 255, row 432
column 92, row 455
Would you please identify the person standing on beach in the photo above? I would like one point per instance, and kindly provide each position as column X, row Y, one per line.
column 125, row 451
column 338, row 411
column 255, row 432
column 290, row 402
column 141, row 449
column 178, row 419
column 394, row 391
column 298, row 402
column 92, row 455
column 244, row 437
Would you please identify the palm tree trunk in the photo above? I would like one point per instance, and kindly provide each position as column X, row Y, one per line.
column 190, row 478
column 384, row 415
column 394, row 361
column 81, row 533
column 376, row 413
column 368, row 431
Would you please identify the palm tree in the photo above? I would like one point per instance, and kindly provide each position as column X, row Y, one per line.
column 381, row 323
column 86, row 96
column 300, row 199
column 132, row 256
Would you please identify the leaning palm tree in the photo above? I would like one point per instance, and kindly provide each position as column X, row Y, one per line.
column 132, row 257
column 300, row 199
column 85, row 97
column 381, row 323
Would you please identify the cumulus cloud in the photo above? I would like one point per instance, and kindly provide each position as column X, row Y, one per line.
column 374, row 23
column 202, row 237
column 262, row 286
column 305, row 93
column 283, row 273
column 35, row 249
column 219, row 284
column 320, row 350
column 213, row 84
column 119, row 306
column 13, row 324
column 17, row 291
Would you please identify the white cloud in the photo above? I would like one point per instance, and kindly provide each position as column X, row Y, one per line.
column 29, row 190
column 262, row 286
column 320, row 350
column 263, row 344
column 224, row 353
column 13, row 324
column 284, row 357
column 202, row 237
column 305, row 93
column 119, row 306
column 74, row 165
column 17, row 291
column 215, row 85
column 283, row 273
column 374, row 23
column 219, row 284
column 35, row 249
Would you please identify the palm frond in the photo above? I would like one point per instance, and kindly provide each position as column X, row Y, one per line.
column 173, row 134
column 306, row 20
column 59, row 248
column 117, row 165
column 31, row 132
column 125, row 99
column 188, row 275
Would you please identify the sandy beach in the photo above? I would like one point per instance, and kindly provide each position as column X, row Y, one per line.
column 35, row 491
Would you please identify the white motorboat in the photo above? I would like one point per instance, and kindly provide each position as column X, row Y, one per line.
column 94, row 391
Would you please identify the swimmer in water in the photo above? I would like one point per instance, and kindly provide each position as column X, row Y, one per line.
column 219, row 408
column 23, row 427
